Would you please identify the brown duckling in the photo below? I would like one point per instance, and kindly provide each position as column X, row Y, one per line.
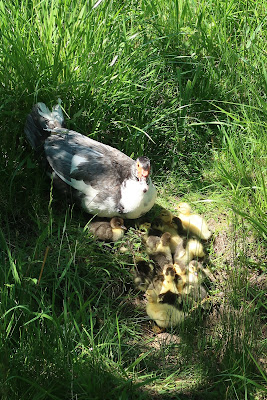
column 193, row 222
column 109, row 231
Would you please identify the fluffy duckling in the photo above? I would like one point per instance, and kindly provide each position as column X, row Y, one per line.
column 192, row 278
column 163, row 314
column 145, row 229
column 168, row 218
column 144, row 273
column 110, row 231
column 193, row 222
column 172, row 282
column 175, row 239
column 193, row 249
column 158, row 249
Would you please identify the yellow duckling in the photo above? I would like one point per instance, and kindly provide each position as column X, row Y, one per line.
column 110, row 231
column 144, row 229
column 172, row 282
column 163, row 314
column 193, row 249
column 158, row 249
column 164, row 227
column 168, row 218
column 193, row 222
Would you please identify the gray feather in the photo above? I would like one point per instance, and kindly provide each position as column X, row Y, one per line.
column 39, row 121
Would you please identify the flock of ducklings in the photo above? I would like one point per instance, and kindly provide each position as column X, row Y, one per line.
column 173, row 275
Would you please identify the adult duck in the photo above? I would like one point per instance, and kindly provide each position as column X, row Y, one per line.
column 105, row 181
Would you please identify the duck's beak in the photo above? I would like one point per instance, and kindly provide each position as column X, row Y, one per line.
column 142, row 173
column 123, row 227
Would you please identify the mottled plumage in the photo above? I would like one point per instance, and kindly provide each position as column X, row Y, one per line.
column 103, row 179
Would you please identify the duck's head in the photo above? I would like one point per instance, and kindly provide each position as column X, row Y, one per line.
column 142, row 168
column 117, row 223
column 184, row 208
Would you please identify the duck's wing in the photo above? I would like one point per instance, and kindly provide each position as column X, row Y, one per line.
column 85, row 163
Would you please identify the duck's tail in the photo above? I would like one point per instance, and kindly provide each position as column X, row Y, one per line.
column 40, row 122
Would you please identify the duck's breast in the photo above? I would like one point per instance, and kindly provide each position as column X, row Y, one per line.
column 137, row 198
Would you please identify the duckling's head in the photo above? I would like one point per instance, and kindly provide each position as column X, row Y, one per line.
column 152, row 243
column 184, row 208
column 151, row 296
column 117, row 223
column 144, row 227
column 168, row 270
column 166, row 238
column 165, row 216
column 158, row 224
column 173, row 281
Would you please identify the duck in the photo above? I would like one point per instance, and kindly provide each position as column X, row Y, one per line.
column 158, row 249
column 193, row 222
column 109, row 231
column 103, row 180
column 194, row 249
column 164, row 314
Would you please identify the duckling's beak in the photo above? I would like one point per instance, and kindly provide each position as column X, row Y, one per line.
column 123, row 227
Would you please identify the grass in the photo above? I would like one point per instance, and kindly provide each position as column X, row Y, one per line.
column 184, row 83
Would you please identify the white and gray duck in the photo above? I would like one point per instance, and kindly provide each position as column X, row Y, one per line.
column 105, row 181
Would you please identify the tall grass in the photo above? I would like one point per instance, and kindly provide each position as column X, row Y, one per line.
column 185, row 83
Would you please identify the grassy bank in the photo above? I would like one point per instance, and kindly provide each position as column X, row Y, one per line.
column 184, row 83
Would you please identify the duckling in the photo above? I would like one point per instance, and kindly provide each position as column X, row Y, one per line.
column 158, row 249
column 193, row 222
column 173, row 282
column 144, row 226
column 168, row 218
column 193, row 249
column 192, row 279
column 163, row 314
column 175, row 240
column 145, row 229
column 144, row 273
column 110, row 231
